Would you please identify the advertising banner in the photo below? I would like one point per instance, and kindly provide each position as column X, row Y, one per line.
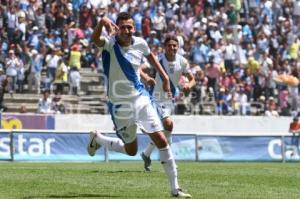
column 27, row 121
column 239, row 148
column 292, row 148
column 52, row 147
column 41, row 146
column 4, row 146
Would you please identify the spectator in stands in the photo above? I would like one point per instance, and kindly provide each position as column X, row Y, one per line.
column 198, row 92
column 88, row 57
column 3, row 83
column 223, row 102
column 212, row 71
column 271, row 107
column 34, row 38
column 159, row 22
column 52, row 62
column 294, row 128
column 13, row 62
column 11, row 17
column 58, row 106
column 152, row 40
column 242, row 101
column 85, row 16
column 35, row 71
column 61, row 77
column 229, row 56
column 146, row 24
column 75, row 55
column 21, row 24
column 45, row 104
column 283, row 97
column 20, row 77
column 40, row 17
column 74, row 80
column 200, row 53
column 23, row 108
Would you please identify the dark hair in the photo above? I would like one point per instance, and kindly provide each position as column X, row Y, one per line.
column 169, row 38
column 123, row 16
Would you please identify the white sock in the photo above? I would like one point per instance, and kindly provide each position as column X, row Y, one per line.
column 168, row 136
column 115, row 144
column 149, row 149
column 168, row 162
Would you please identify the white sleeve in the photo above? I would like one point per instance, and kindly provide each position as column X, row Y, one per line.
column 185, row 65
column 144, row 47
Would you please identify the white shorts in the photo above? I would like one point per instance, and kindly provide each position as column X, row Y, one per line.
column 164, row 109
column 128, row 116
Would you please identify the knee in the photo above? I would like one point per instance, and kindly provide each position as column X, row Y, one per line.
column 131, row 152
column 168, row 124
column 160, row 140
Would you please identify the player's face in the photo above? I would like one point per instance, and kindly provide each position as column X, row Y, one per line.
column 171, row 48
column 126, row 29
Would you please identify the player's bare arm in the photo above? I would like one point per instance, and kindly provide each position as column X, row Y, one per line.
column 146, row 78
column 109, row 26
column 154, row 62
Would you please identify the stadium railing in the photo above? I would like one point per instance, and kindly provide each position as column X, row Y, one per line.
column 53, row 145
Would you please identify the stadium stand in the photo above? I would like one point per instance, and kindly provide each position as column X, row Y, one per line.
column 250, row 42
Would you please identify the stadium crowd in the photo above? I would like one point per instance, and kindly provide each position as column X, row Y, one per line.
column 236, row 48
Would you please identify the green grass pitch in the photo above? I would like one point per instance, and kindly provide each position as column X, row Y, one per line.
column 128, row 180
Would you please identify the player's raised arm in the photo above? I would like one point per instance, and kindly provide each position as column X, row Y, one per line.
column 154, row 62
column 110, row 27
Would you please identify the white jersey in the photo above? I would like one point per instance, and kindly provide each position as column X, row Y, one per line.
column 120, row 66
column 129, row 102
column 174, row 69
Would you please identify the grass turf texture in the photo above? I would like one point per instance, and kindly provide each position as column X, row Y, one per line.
column 128, row 180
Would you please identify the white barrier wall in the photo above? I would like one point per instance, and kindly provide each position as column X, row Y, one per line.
column 218, row 125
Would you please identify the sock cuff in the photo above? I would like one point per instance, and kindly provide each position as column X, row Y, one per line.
column 165, row 148
column 166, row 131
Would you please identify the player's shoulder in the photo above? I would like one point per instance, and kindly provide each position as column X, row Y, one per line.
column 108, row 42
column 161, row 57
column 139, row 40
column 181, row 59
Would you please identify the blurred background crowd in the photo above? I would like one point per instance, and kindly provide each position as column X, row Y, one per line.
column 237, row 49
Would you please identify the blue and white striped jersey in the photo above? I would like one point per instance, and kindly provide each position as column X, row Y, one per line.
column 174, row 69
column 121, row 65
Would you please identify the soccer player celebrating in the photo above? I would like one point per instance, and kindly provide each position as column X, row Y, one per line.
column 129, row 103
column 174, row 65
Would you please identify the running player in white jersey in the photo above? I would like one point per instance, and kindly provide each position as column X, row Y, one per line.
column 174, row 65
column 129, row 103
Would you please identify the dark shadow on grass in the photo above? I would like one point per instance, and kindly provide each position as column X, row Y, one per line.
column 75, row 196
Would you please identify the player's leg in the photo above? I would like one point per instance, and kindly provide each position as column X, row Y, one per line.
column 168, row 127
column 168, row 163
column 151, row 124
column 164, row 112
column 125, row 143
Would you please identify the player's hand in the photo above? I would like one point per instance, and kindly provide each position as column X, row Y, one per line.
column 150, row 81
column 167, row 88
column 111, row 27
